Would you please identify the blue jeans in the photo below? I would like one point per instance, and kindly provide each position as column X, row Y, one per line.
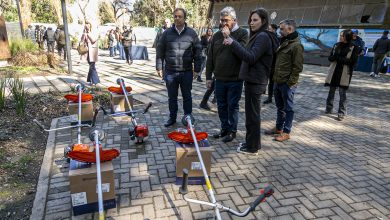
column 284, row 100
column 121, row 51
column 112, row 51
column 92, row 74
column 173, row 81
column 228, row 95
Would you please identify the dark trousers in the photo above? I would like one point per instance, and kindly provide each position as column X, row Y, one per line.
column 208, row 93
column 377, row 63
column 128, row 54
column 270, row 86
column 50, row 46
column 342, row 103
column 60, row 48
column 284, row 100
column 228, row 95
column 112, row 51
column 173, row 81
column 92, row 77
column 252, row 115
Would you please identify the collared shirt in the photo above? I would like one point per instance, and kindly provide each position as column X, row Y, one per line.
column 179, row 32
column 235, row 28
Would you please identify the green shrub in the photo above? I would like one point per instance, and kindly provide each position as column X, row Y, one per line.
column 22, row 45
column 19, row 95
column 3, row 83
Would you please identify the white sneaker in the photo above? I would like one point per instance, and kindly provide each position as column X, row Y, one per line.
column 387, row 74
column 372, row 74
column 377, row 76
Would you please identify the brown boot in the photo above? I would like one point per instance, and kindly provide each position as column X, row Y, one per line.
column 273, row 131
column 282, row 137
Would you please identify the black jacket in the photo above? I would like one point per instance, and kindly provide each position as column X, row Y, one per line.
column 256, row 57
column 178, row 52
column 382, row 45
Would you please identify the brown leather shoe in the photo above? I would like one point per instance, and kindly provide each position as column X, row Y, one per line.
column 282, row 137
column 273, row 131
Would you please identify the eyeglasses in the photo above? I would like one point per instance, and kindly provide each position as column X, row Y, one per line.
column 225, row 20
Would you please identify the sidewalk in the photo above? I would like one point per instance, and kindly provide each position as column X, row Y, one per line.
column 328, row 170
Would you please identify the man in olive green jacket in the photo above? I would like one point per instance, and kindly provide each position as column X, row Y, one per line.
column 289, row 63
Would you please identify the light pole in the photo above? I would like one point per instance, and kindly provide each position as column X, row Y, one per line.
column 67, row 44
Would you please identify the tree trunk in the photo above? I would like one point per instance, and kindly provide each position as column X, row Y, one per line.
column 57, row 10
column 25, row 11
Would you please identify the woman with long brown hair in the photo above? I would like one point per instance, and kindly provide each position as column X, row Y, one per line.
column 90, row 37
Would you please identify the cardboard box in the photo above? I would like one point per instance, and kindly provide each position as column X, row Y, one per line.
column 187, row 158
column 86, row 111
column 83, row 187
column 118, row 102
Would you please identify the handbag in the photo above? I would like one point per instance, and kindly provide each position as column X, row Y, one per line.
column 82, row 48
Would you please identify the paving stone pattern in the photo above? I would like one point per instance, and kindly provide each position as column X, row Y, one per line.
column 328, row 170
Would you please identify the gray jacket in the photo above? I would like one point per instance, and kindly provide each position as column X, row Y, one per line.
column 382, row 45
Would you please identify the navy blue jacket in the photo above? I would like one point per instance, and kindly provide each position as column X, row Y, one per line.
column 179, row 53
column 256, row 58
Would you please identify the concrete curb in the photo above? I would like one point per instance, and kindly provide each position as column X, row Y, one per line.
column 38, row 210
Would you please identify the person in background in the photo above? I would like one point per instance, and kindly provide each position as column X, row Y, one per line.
column 127, row 40
column 118, row 35
column 205, row 41
column 380, row 48
column 50, row 39
column 112, row 42
column 225, row 66
column 359, row 43
column 343, row 58
column 166, row 24
column 39, row 36
column 29, row 33
column 61, row 41
column 255, row 68
column 180, row 50
column 272, row 28
column 288, row 66
column 91, row 38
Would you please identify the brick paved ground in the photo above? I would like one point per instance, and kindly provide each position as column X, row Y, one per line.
column 328, row 170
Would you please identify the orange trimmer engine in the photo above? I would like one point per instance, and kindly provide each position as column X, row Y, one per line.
column 140, row 131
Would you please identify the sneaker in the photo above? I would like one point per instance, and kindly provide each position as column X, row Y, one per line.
column 199, row 79
column 282, row 137
column 372, row 74
column 229, row 137
column 267, row 101
column 204, row 106
column 243, row 149
column 273, row 131
column 328, row 112
column 377, row 76
column 340, row 117
column 387, row 74
column 222, row 133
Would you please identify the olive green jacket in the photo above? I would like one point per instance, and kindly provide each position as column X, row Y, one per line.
column 289, row 62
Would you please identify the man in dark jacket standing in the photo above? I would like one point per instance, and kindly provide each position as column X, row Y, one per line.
column 288, row 66
column 127, row 40
column 61, row 41
column 381, row 48
column 50, row 39
column 180, row 50
column 226, row 67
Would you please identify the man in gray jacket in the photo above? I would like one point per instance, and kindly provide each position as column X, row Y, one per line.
column 381, row 48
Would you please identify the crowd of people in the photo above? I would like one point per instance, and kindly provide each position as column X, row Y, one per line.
column 48, row 38
column 235, row 61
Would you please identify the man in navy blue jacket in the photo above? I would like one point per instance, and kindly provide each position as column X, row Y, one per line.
column 180, row 51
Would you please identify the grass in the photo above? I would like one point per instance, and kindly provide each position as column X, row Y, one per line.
column 20, row 69
column 19, row 95
column 3, row 83
column 22, row 45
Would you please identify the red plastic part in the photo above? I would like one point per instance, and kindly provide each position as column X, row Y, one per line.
column 85, row 97
column 186, row 138
column 90, row 157
column 118, row 90
column 141, row 131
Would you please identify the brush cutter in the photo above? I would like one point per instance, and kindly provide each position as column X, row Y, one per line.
column 82, row 152
column 267, row 192
column 136, row 131
column 96, row 136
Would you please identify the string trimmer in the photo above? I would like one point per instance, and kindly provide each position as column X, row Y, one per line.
column 78, row 151
column 267, row 192
column 136, row 131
